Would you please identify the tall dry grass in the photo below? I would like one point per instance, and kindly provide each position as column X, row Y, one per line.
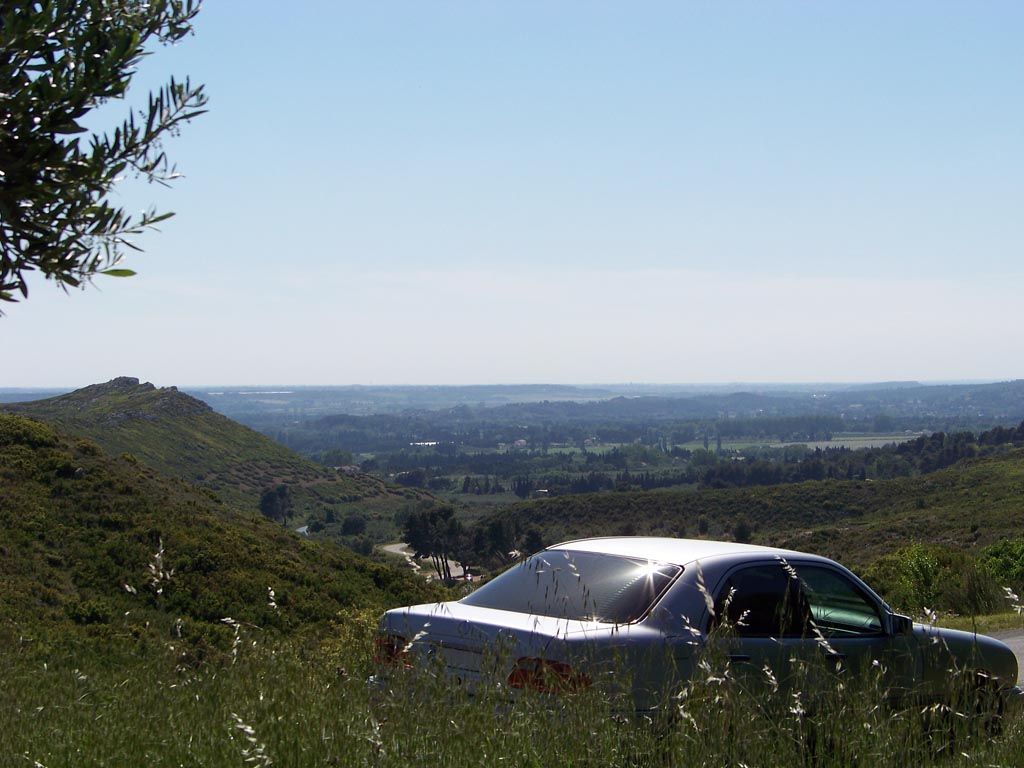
column 306, row 703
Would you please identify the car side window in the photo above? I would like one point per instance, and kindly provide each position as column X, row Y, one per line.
column 838, row 606
column 763, row 601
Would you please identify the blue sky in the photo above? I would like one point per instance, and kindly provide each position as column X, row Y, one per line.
column 494, row 192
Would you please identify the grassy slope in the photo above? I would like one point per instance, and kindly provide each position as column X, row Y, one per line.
column 972, row 504
column 78, row 526
column 183, row 437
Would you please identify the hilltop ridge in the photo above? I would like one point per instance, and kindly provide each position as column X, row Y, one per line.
column 181, row 436
column 133, row 400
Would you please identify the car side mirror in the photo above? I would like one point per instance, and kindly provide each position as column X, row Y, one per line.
column 902, row 625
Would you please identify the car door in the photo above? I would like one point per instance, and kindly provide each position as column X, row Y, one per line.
column 759, row 625
column 856, row 631
column 805, row 624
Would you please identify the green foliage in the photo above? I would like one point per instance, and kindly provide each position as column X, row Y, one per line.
column 276, row 503
column 15, row 430
column 1004, row 562
column 975, row 504
column 354, row 525
column 63, row 59
column 90, row 541
column 334, row 457
column 919, row 578
column 94, row 611
column 742, row 531
column 435, row 533
column 87, row 448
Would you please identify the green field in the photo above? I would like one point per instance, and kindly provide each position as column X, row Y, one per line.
column 852, row 440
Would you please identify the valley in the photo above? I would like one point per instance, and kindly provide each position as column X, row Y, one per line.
column 143, row 532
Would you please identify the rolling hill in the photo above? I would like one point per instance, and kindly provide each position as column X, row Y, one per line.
column 972, row 504
column 180, row 436
column 109, row 543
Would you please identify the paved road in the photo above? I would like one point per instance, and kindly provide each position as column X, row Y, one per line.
column 401, row 548
column 1015, row 639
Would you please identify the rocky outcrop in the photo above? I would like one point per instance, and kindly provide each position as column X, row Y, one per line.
column 118, row 400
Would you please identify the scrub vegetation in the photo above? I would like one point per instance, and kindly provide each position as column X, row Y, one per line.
column 182, row 438
column 109, row 546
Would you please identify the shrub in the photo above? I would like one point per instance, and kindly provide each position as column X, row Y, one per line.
column 17, row 430
column 1004, row 562
column 94, row 611
column 920, row 577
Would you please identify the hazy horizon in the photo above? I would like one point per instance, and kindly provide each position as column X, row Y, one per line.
column 262, row 388
column 441, row 192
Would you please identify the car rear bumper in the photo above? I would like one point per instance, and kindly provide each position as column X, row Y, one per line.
column 1014, row 696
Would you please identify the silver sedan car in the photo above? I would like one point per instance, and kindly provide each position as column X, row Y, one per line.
column 641, row 613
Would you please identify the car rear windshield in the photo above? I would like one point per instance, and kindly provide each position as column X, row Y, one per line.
column 585, row 586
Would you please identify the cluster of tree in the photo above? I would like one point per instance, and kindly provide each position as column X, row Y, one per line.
column 276, row 503
column 487, row 488
column 562, row 448
column 782, row 428
column 922, row 455
column 505, row 466
column 589, row 472
column 437, row 533
column 455, row 435
column 595, row 482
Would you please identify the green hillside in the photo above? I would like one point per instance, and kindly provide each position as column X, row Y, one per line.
column 968, row 506
column 183, row 437
column 107, row 543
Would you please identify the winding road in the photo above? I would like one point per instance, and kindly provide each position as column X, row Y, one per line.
column 402, row 549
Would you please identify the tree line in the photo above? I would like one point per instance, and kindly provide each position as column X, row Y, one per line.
column 527, row 473
column 438, row 534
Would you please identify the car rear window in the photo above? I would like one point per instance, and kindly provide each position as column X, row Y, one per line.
column 585, row 586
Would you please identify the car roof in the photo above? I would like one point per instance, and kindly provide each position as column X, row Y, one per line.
column 675, row 551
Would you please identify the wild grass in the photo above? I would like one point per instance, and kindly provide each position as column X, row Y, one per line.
column 986, row 625
column 306, row 703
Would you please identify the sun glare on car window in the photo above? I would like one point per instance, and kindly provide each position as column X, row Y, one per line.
column 584, row 586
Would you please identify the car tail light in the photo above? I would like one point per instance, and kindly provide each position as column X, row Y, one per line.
column 536, row 674
column 390, row 649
